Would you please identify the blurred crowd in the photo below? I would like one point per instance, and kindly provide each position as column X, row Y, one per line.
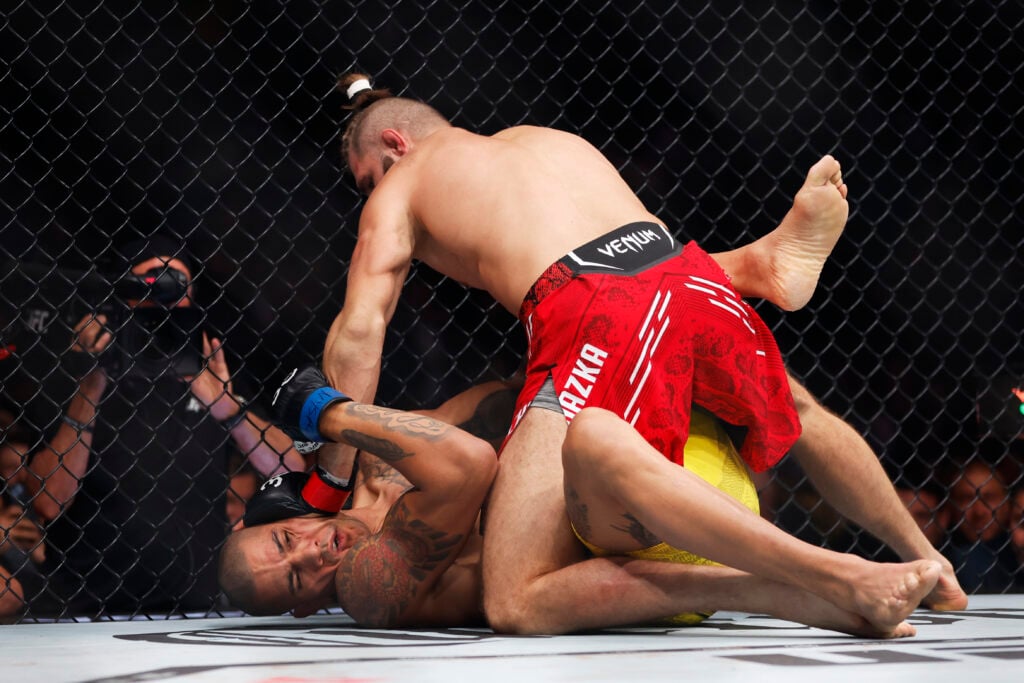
column 971, row 509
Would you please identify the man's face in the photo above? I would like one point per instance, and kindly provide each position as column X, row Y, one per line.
column 12, row 459
column 924, row 508
column 1017, row 507
column 980, row 499
column 369, row 167
column 1017, row 523
column 293, row 561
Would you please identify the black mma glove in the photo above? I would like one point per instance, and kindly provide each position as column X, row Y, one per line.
column 298, row 403
column 294, row 494
column 300, row 400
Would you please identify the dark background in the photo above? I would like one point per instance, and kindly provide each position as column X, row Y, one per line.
column 218, row 122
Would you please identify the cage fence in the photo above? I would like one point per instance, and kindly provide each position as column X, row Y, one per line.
column 209, row 131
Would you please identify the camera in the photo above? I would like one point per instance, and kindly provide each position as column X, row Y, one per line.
column 155, row 337
column 152, row 341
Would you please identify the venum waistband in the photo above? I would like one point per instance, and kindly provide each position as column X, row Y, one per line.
column 627, row 250
column 623, row 251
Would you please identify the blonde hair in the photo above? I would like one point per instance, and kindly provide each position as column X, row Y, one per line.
column 376, row 109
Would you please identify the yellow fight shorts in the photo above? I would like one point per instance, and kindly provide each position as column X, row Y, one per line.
column 710, row 454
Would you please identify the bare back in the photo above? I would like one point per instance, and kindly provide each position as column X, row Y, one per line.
column 495, row 212
column 489, row 212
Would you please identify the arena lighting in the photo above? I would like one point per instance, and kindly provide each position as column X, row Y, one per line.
column 1019, row 394
column 1000, row 404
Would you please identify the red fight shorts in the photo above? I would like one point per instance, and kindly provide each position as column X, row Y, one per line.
column 635, row 324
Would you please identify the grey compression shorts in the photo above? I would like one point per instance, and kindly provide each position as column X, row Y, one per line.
column 546, row 397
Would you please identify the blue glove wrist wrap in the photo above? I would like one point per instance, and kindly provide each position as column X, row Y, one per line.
column 309, row 419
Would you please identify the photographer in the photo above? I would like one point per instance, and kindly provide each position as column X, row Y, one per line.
column 134, row 481
column 22, row 550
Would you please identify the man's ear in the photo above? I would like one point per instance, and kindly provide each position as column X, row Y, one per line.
column 394, row 141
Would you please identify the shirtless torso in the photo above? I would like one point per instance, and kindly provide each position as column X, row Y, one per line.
column 526, row 196
column 452, row 599
column 494, row 213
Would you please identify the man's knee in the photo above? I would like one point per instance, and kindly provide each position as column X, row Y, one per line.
column 587, row 441
column 518, row 569
column 508, row 613
column 575, row 447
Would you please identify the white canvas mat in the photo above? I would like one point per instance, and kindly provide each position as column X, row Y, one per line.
column 984, row 644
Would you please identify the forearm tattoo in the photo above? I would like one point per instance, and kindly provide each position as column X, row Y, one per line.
column 403, row 424
column 386, row 450
column 638, row 531
column 381, row 577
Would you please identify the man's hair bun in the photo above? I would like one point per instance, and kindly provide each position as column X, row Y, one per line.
column 359, row 91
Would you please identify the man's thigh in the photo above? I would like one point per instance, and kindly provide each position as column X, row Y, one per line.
column 526, row 533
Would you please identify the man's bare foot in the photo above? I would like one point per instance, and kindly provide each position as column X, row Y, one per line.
column 902, row 630
column 807, row 608
column 888, row 593
column 947, row 594
column 710, row 588
column 795, row 251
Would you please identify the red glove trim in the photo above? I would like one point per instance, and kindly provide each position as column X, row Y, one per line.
column 323, row 496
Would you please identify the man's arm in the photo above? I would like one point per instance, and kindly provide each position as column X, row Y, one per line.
column 386, row 579
column 389, row 578
column 268, row 448
column 352, row 352
column 484, row 410
column 57, row 469
column 377, row 272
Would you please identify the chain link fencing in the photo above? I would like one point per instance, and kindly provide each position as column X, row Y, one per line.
column 216, row 124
